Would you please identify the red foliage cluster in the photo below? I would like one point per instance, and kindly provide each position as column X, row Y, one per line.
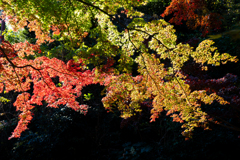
column 40, row 72
column 25, row 49
column 195, row 14
column 8, row 50
column 73, row 66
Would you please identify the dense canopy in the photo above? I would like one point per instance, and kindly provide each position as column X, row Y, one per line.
column 95, row 50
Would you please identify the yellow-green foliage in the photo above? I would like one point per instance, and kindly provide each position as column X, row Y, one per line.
column 4, row 100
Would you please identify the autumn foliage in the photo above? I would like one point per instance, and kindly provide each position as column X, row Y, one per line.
column 166, row 87
column 19, row 73
column 195, row 14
